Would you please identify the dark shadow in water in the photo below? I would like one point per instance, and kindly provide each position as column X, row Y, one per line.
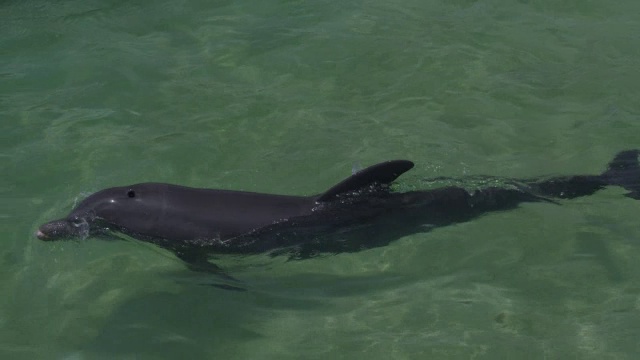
column 593, row 245
column 202, row 321
column 164, row 325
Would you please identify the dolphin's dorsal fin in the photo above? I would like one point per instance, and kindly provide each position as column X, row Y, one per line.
column 381, row 174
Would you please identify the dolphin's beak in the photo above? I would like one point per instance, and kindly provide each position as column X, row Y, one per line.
column 54, row 230
column 40, row 235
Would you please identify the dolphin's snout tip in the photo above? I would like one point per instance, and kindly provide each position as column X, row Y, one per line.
column 40, row 235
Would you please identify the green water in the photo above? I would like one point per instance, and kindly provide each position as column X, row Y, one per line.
column 285, row 97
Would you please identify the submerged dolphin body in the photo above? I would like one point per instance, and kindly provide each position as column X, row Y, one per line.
column 358, row 213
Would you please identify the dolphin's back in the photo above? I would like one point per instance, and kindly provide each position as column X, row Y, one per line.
column 223, row 213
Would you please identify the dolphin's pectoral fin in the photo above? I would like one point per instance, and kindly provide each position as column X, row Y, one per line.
column 633, row 195
column 197, row 261
column 381, row 174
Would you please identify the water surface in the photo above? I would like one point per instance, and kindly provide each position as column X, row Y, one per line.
column 285, row 97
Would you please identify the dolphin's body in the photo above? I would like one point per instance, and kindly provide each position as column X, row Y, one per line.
column 359, row 212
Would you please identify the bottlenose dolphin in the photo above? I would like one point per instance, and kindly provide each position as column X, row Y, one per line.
column 360, row 212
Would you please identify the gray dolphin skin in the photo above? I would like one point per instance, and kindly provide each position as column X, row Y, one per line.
column 358, row 213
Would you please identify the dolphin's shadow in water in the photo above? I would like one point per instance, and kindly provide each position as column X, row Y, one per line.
column 200, row 321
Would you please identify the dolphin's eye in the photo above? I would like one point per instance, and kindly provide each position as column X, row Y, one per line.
column 131, row 193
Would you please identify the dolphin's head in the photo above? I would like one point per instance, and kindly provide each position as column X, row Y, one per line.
column 125, row 208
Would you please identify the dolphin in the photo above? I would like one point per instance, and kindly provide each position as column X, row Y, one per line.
column 358, row 213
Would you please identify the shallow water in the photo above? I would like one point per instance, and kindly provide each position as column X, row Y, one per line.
column 285, row 97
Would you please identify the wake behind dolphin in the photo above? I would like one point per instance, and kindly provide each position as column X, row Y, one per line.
column 358, row 213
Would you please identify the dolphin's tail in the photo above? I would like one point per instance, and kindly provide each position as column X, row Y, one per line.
column 624, row 171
